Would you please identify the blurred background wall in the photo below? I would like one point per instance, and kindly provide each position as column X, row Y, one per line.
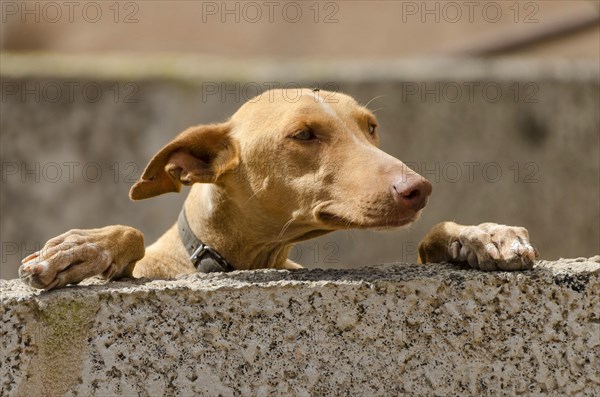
column 496, row 102
column 306, row 29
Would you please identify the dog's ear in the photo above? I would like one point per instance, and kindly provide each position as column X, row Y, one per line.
column 198, row 155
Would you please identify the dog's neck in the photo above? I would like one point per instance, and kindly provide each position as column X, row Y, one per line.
column 217, row 220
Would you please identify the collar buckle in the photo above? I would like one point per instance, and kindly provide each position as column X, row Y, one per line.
column 198, row 253
column 198, row 250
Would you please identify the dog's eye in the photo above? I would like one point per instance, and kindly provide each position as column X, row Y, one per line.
column 372, row 128
column 304, row 135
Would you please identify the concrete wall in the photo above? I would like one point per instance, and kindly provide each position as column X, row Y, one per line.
column 511, row 142
column 431, row 330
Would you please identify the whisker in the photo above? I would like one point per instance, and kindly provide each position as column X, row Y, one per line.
column 284, row 228
column 378, row 109
column 349, row 223
column 374, row 99
column 254, row 194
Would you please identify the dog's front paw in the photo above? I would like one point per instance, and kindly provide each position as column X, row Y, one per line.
column 490, row 246
column 79, row 254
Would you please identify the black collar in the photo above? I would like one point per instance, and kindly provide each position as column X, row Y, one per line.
column 204, row 258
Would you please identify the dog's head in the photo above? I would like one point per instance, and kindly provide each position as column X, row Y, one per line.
column 298, row 162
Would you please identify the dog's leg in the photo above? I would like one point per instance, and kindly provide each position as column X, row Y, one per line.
column 110, row 252
column 488, row 246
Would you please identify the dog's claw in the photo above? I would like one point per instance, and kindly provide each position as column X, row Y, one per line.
column 30, row 257
column 492, row 250
column 472, row 260
column 454, row 250
column 35, row 266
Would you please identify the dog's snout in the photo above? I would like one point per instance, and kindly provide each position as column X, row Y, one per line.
column 412, row 192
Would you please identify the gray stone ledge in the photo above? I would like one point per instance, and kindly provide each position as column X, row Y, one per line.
column 429, row 330
column 197, row 68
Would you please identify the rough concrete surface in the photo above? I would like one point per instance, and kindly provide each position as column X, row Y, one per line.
column 429, row 330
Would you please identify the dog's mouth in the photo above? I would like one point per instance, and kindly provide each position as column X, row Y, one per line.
column 336, row 221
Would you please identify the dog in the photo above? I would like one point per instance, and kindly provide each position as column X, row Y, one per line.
column 276, row 173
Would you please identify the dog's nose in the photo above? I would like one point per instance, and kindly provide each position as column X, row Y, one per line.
column 412, row 192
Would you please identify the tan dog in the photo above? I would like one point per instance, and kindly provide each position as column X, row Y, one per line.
column 278, row 172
